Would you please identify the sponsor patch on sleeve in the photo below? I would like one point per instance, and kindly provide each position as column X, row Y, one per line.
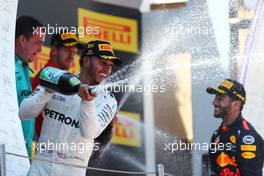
column 232, row 139
column 248, row 148
column 248, row 155
column 248, row 139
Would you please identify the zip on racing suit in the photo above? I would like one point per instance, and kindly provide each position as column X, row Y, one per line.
column 238, row 150
column 69, row 128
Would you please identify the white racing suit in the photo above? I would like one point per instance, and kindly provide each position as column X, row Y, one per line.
column 68, row 130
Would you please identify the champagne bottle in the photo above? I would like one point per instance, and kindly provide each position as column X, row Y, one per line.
column 59, row 80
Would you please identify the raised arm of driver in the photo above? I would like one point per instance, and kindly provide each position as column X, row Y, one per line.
column 88, row 122
column 91, row 123
column 34, row 104
column 85, row 93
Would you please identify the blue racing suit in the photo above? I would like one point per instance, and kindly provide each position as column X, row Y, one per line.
column 238, row 150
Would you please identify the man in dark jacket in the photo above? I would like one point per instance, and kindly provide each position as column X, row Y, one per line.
column 238, row 148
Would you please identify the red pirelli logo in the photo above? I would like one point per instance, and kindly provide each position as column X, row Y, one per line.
column 126, row 129
column 121, row 32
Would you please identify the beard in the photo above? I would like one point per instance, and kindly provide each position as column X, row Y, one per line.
column 221, row 112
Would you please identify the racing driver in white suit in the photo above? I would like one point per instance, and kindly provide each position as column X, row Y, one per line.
column 71, row 122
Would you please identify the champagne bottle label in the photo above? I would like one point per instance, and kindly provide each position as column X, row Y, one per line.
column 74, row 81
column 52, row 75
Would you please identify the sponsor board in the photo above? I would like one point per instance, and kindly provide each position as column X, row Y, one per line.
column 121, row 32
column 127, row 129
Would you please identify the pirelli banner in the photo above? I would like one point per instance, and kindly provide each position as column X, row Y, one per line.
column 121, row 32
column 127, row 129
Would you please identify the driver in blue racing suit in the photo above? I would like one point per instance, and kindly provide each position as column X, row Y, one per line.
column 237, row 149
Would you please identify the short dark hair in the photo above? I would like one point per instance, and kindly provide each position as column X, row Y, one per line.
column 233, row 98
column 25, row 25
